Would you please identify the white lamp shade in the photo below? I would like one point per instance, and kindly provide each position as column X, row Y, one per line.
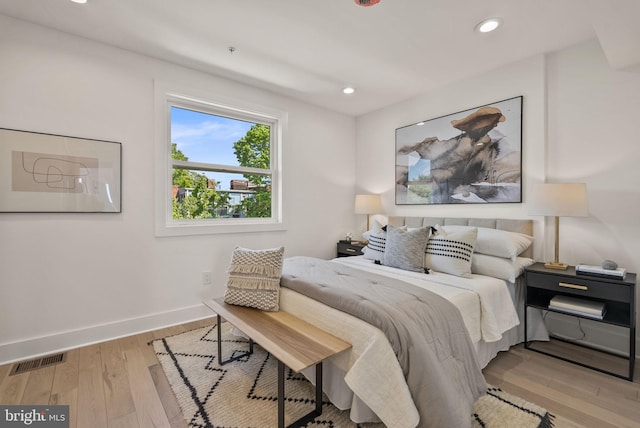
column 368, row 204
column 559, row 199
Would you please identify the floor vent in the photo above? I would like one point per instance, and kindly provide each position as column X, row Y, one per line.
column 27, row 366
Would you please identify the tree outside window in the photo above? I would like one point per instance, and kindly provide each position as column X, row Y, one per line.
column 223, row 178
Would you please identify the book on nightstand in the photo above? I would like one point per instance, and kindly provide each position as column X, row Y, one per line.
column 597, row 271
column 576, row 306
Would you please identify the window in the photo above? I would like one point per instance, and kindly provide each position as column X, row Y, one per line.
column 221, row 169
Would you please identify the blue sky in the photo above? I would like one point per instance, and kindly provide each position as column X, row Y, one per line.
column 207, row 138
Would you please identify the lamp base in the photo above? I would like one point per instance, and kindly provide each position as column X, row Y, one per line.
column 556, row 265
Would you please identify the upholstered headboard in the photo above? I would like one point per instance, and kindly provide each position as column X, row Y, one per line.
column 510, row 225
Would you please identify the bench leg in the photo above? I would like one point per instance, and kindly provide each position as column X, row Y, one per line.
column 319, row 388
column 280, row 394
column 309, row 416
column 237, row 357
column 303, row 420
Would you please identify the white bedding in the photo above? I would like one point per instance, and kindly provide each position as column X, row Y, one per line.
column 484, row 302
column 368, row 378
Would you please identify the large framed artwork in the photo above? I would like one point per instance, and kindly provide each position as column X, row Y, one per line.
column 474, row 156
column 54, row 173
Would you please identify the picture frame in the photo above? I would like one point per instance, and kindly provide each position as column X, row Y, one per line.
column 470, row 157
column 48, row 173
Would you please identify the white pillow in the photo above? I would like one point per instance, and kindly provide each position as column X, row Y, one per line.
column 499, row 267
column 366, row 235
column 377, row 242
column 498, row 243
column 450, row 251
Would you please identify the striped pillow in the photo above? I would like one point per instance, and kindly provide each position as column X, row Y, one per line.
column 377, row 241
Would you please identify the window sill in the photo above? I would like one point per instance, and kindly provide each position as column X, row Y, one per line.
column 218, row 226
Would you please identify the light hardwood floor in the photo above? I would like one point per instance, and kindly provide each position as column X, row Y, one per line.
column 119, row 383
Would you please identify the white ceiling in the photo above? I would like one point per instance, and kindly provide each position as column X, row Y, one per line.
column 311, row 49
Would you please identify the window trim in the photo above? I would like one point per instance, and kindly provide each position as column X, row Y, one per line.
column 167, row 96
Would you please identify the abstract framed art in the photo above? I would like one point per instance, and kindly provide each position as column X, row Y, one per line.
column 473, row 156
column 54, row 173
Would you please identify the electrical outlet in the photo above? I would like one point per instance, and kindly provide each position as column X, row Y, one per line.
column 206, row 278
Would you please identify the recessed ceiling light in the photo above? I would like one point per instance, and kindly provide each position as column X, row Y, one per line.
column 488, row 25
column 366, row 2
column 348, row 90
column 79, row 1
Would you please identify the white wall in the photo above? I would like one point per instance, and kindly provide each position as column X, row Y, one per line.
column 580, row 123
column 594, row 114
column 376, row 136
column 68, row 279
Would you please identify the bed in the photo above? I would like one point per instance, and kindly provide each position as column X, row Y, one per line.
column 368, row 379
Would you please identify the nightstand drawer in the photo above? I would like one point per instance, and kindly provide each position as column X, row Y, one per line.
column 345, row 249
column 580, row 286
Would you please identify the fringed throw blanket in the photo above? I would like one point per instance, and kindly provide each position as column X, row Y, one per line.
column 425, row 330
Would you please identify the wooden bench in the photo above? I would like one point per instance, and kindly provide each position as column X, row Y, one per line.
column 292, row 341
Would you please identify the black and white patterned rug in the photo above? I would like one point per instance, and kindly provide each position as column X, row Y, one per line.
column 244, row 393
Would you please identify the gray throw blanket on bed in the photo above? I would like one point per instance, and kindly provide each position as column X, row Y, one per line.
column 426, row 332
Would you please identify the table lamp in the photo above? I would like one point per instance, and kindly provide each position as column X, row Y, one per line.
column 559, row 200
column 368, row 204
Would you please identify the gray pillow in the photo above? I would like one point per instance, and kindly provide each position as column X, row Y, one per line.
column 254, row 278
column 405, row 248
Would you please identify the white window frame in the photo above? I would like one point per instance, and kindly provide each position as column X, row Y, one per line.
column 165, row 98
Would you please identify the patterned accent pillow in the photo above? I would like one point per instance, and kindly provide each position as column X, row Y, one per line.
column 450, row 252
column 377, row 238
column 405, row 248
column 254, row 278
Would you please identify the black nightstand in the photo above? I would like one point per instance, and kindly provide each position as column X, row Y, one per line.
column 347, row 249
column 543, row 284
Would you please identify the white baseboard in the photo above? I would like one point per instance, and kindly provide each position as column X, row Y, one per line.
column 35, row 347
